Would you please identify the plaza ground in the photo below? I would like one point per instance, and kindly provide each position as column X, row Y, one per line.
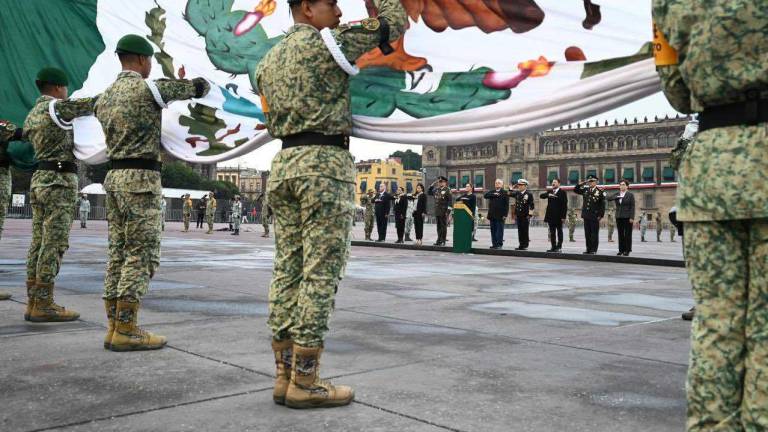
column 431, row 341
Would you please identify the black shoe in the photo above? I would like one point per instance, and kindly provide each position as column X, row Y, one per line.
column 474, row 239
column 233, row 233
column 399, row 242
column 688, row 316
column 587, row 253
column 626, row 253
column 559, row 250
column 620, row 254
column 379, row 241
column 437, row 243
column 493, row 247
column 520, row 248
column 408, row 238
column 552, row 250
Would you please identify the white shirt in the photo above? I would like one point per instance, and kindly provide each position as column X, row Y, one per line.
column 621, row 196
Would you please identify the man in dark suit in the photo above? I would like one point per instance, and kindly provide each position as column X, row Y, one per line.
column 498, row 207
column 382, row 202
column 557, row 211
column 592, row 211
column 523, row 211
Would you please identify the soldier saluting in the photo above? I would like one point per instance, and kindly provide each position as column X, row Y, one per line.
column 592, row 211
column 523, row 211
column 443, row 201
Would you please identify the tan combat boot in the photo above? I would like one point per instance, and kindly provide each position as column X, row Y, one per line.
column 45, row 310
column 31, row 285
column 128, row 336
column 110, row 306
column 306, row 389
column 283, row 357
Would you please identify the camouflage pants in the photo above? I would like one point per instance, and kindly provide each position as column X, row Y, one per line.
column 83, row 218
column 368, row 224
column 134, row 221
column 209, row 220
column 408, row 224
column 265, row 221
column 236, row 221
column 5, row 195
column 52, row 214
column 571, row 231
column 186, row 221
column 728, row 374
column 313, row 223
column 658, row 235
column 611, row 228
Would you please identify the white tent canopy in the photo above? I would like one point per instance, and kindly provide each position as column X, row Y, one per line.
column 98, row 189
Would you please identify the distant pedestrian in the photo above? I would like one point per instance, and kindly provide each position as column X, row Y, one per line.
column 237, row 209
column 659, row 227
column 643, row 226
column 201, row 206
column 85, row 210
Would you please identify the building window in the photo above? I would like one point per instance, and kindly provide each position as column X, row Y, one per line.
column 393, row 187
column 431, row 155
column 409, row 187
column 648, row 176
column 378, row 183
column 649, row 201
column 452, row 182
column 479, row 181
column 668, row 174
column 573, row 177
column 629, row 174
column 464, row 180
column 663, row 141
column 592, row 172
column 551, row 176
column 517, row 175
column 363, row 186
column 609, row 176
column 378, row 170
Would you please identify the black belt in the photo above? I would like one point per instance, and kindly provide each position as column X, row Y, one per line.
column 58, row 166
column 141, row 164
column 314, row 138
column 751, row 112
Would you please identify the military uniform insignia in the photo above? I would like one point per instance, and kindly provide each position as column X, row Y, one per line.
column 370, row 24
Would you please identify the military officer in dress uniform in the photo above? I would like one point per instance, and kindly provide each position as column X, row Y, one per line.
column 53, row 193
column 442, row 193
column 524, row 206
column 592, row 211
column 712, row 58
column 312, row 183
column 130, row 111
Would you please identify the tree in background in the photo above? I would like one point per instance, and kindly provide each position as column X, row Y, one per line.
column 179, row 175
column 411, row 160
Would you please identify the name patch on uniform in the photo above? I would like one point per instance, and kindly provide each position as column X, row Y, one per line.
column 663, row 53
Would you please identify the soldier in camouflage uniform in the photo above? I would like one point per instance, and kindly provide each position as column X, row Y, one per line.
column 130, row 112
column 571, row 224
column 610, row 222
column 8, row 132
column 311, row 184
column 712, row 57
column 659, row 227
column 266, row 214
column 237, row 209
column 85, row 210
column 443, row 199
column 367, row 202
column 210, row 212
column 187, row 211
column 53, row 193
column 643, row 226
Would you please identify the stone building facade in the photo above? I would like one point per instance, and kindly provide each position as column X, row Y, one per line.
column 637, row 150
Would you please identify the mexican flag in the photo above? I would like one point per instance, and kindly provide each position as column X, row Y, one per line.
column 463, row 72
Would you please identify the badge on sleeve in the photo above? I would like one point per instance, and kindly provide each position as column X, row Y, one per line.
column 371, row 24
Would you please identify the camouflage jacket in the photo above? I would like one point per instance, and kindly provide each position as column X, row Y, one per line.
column 367, row 202
column 131, row 120
column 210, row 209
column 187, row 209
column 51, row 142
column 7, row 130
column 304, row 90
column 237, row 209
column 721, row 56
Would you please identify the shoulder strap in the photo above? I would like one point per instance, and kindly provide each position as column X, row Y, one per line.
column 67, row 126
column 333, row 47
column 155, row 93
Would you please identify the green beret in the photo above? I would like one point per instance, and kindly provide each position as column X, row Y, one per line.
column 53, row 76
column 134, row 44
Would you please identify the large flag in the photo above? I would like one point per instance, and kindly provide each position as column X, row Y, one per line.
column 465, row 70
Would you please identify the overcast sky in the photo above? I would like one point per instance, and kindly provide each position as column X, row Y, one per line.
column 651, row 106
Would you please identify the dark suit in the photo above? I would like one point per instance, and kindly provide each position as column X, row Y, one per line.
column 498, row 207
column 381, row 208
column 523, row 207
column 592, row 210
column 625, row 210
column 401, row 208
column 557, row 211
column 418, row 215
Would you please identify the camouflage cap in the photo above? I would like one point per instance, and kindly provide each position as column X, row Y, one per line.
column 134, row 44
column 52, row 75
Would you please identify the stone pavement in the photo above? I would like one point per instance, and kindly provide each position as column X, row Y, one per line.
column 430, row 341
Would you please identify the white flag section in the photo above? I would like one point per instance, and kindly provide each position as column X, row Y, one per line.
column 465, row 71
